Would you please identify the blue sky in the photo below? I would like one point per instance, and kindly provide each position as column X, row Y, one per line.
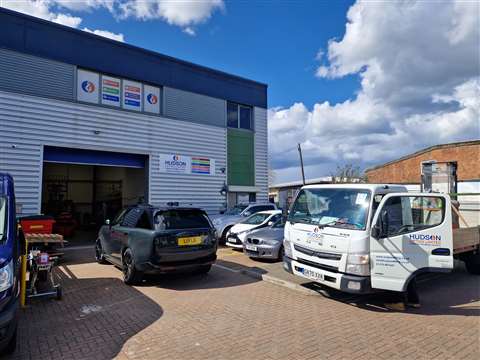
column 355, row 82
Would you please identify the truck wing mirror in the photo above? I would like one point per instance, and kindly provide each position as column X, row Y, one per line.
column 380, row 229
column 384, row 224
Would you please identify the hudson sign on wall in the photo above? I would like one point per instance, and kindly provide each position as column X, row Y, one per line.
column 180, row 164
column 106, row 90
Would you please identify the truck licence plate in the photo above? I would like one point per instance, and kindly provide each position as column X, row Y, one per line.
column 309, row 273
column 191, row 240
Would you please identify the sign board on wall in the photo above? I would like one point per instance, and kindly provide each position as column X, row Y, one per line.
column 179, row 164
column 87, row 86
column 110, row 91
column 132, row 95
column 151, row 99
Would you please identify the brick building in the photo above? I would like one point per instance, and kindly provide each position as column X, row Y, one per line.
column 465, row 158
column 406, row 170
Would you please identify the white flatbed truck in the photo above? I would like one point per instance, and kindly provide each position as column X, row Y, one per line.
column 360, row 238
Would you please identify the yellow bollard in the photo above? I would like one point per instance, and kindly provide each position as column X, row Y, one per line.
column 23, row 273
column 23, row 280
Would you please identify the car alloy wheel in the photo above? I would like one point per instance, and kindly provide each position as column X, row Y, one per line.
column 127, row 264
column 99, row 253
column 131, row 275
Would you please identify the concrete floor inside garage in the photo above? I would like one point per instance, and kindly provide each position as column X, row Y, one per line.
column 82, row 197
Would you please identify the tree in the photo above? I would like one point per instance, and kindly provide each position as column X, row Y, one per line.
column 348, row 173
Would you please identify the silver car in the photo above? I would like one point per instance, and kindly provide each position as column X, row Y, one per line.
column 239, row 212
column 266, row 243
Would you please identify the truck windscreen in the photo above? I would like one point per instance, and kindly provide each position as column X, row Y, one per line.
column 3, row 218
column 345, row 208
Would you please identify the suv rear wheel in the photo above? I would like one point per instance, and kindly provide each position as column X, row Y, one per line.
column 131, row 276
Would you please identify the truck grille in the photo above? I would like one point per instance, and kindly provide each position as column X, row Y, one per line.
column 319, row 254
column 318, row 266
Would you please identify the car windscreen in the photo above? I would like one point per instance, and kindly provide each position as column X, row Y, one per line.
column 178, row 219
column 236, row 210
column 345, row 208
column 3, row 218
column 256, row 219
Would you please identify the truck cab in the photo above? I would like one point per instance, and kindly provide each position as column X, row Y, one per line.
column 361, row 237
column 10, row 251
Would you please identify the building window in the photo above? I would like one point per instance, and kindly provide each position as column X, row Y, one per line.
column 232, row 115
column 239, row 116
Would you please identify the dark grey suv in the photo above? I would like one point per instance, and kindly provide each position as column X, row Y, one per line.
column 145, row 239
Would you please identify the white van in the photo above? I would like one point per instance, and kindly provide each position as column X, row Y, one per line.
column 361, row 237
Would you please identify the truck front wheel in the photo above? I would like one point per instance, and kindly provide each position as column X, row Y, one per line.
column 472, row 263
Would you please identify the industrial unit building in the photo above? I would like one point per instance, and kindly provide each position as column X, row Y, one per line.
column 89, row 125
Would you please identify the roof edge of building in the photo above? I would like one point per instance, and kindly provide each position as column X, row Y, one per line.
column 425, row 150
column 130, row 46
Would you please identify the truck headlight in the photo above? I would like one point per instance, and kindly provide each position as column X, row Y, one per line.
column 358, row 264
column 287, row 247
column 6, row 276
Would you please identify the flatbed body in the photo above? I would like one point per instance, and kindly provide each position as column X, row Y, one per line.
column 466, row 239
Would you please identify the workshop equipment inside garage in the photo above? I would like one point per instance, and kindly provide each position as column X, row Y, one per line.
column 83, row 196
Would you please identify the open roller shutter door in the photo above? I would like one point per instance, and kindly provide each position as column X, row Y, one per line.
column 93, row 157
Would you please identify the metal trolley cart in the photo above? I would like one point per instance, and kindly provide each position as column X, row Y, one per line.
column 42, row 282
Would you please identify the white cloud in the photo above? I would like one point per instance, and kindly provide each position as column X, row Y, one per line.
column 86, row 5
column 183, row 13
column 41, row 9
column 188, row 30
column 45, row 9
column 419, row 86
column 107, row 34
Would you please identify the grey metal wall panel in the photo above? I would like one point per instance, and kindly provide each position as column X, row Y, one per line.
column 192, row 107
column 33, row 75
column 28, row 123
column 261, row 153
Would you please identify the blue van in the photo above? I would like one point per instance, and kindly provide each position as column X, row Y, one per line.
column 10, row 252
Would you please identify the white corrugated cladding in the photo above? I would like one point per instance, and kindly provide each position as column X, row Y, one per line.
column 27, row 123
column 184, row 105
column 261, row 153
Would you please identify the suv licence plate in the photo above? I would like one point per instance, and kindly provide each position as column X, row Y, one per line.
column 191, row 240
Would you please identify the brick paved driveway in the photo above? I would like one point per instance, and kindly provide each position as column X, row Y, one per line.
column 227, row 315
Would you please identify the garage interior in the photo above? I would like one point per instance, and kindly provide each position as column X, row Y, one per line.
column 80, row 197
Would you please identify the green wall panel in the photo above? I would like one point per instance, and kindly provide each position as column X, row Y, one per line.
column 241, row 163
